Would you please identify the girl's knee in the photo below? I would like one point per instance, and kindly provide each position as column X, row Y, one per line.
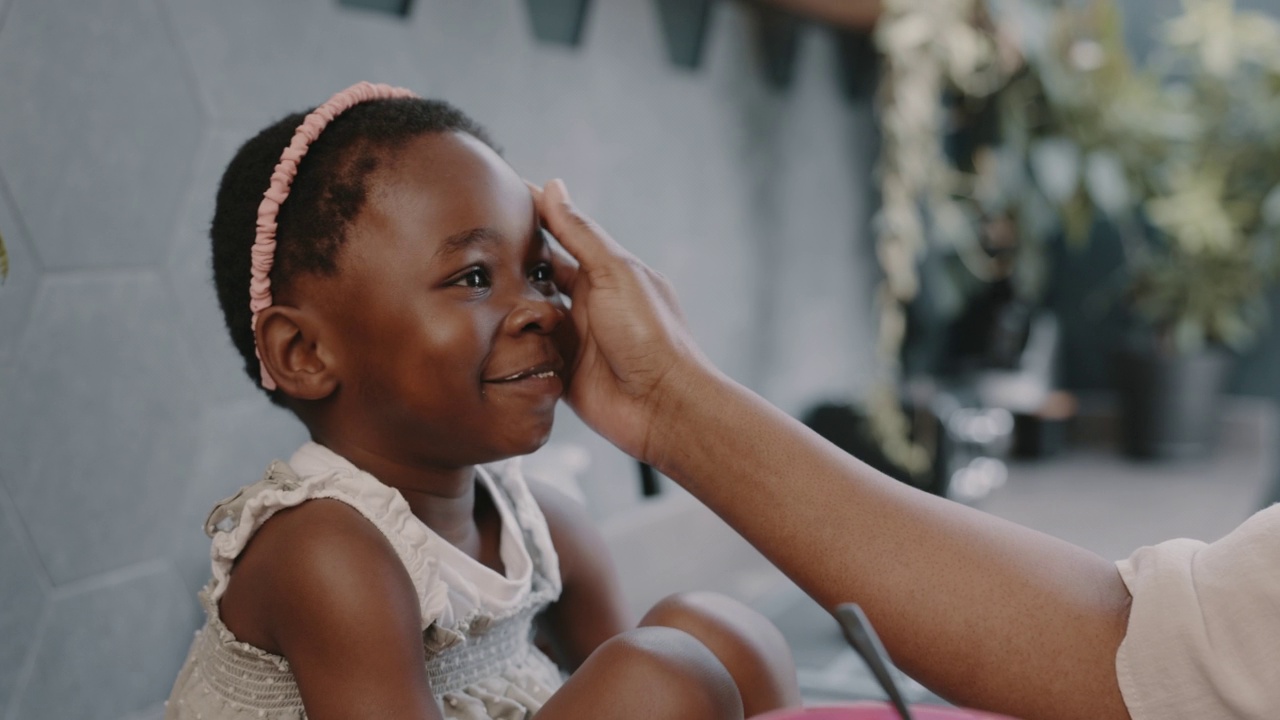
column 746, row 642
column 665, row 672
column 720, row 621
column 696, row 607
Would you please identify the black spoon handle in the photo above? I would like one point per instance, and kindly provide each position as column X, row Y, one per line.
column 858, row 631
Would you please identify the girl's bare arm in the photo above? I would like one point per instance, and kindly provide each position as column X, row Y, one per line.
column 591, row 608
column 320, row 585
column 988, row 613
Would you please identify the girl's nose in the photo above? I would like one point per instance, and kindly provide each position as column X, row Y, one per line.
column 535, row 312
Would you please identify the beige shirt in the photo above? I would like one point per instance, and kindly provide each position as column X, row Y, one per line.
column 1204, row 631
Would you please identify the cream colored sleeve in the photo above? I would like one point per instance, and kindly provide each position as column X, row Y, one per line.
column 1204, row 630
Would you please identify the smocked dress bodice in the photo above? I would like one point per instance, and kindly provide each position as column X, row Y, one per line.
column 477, row 623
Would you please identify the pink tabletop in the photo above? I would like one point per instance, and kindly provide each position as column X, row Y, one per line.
column 878, row 711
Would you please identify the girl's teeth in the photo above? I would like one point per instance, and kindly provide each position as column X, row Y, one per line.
column 542, row 375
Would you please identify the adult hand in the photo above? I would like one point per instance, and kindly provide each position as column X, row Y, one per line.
column 635, row 352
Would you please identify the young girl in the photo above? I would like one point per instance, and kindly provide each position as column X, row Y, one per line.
column 384, row 274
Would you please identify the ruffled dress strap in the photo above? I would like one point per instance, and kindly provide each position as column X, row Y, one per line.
column 234, row 521
column 507, row 478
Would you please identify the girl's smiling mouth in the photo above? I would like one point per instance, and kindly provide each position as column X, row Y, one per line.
column 541, row 378
column 539, row 372
column 542, row 382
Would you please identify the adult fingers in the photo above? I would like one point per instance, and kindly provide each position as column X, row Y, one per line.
column 579, row 234
column 564, row 265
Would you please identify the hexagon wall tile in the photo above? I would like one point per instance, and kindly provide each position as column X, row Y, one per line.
column 191, row 275
column 101, row 126
column 236, row 443
column 110, row 650
column 20, row 603
column 155, row 712
column 260, row 61
column 19, row 289
column 97, row 422
column 496, row 84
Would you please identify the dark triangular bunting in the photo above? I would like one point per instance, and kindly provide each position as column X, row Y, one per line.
column 777, row 42
column 558, row 21
column 859, row 64
column 684, row 28
column 399, row 8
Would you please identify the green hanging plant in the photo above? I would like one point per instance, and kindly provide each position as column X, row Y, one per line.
column 930, row 47
column 1180, row 154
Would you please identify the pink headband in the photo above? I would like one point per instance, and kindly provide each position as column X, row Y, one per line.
column 264, row 244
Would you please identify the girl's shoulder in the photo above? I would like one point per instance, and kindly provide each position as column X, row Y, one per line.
column 360, row 505
column 312, row 565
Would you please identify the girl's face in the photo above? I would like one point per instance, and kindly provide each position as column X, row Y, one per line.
column 451, row 338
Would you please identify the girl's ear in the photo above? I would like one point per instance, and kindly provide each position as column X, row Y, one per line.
column 290, row 346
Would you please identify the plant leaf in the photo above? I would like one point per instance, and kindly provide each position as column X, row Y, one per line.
column 1188, row 335
column 1077, row 220
column 1055, row 164
column 1105, row 181
column 1232, row 329
column 1271, row 207
column 4, row 261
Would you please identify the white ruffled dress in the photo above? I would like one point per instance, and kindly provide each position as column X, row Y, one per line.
column 477, row 624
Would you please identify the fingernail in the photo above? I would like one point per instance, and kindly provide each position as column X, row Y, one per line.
column 529, row 184
column 560, row 184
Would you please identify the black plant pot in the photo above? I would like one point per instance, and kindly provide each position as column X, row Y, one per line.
column 1170, row 404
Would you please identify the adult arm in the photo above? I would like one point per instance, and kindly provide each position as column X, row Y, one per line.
column 985, row 612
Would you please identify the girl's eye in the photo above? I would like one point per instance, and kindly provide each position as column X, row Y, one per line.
column 543, row 275
column 474, row 278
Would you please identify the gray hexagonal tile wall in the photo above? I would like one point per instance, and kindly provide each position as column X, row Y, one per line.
column 155, row 712
column 18, row 290
column 21, row 601
column 191, row 274
column 237, row 442
column 101, row 125
column 259, row 61
column 495, row 86
column 97, row 421
column 110, row 649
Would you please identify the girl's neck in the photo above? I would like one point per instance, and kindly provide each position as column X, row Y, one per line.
column 444, row 499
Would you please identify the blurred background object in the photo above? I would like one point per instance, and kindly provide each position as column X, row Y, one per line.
column 924, row 226
column 1179, row 157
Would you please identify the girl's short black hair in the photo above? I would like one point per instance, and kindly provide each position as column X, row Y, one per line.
column 326, row 196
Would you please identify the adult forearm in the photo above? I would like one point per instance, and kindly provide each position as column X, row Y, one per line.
column 985, row 612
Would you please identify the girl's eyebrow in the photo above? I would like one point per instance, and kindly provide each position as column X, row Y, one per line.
column 468, row 238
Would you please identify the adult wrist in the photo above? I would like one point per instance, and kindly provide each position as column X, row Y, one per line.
column 677, row 413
